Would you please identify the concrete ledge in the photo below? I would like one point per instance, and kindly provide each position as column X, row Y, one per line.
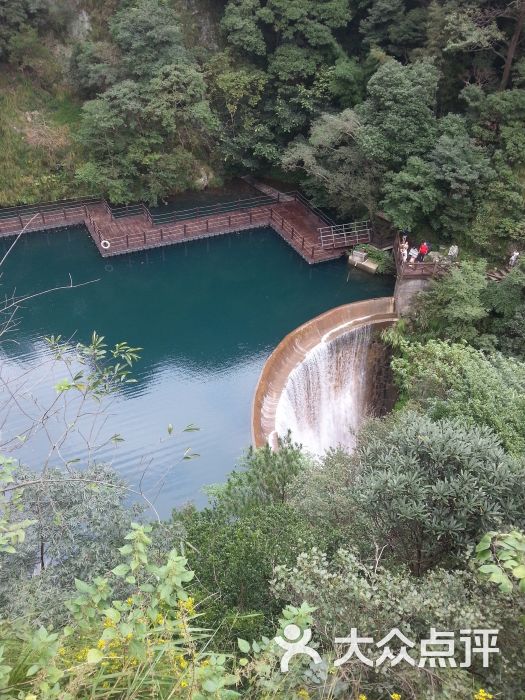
column 292, row 350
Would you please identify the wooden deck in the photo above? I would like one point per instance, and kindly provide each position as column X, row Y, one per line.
column 134, row 228
column 415, row 270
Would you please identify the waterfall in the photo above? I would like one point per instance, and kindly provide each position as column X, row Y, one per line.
column 324, row 399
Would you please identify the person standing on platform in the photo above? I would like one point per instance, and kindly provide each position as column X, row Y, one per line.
column 423, row 250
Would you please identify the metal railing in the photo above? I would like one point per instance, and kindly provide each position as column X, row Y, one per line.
column 318, row 212
column 46, row 207
column 342, row 235
column 159, row 218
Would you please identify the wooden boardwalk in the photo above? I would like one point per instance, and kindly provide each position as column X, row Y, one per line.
column 135, row 228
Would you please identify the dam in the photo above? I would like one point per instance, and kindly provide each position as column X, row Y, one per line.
column 326, row 377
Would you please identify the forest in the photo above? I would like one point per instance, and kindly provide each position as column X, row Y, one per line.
column 413, row 108
column 410, row 108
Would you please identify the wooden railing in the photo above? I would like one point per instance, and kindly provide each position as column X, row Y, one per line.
column 97, row 215
column 430, row 268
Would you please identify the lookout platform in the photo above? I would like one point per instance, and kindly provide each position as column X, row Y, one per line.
column 116, row 231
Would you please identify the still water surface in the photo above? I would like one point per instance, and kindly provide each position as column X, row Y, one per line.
column 206, row 314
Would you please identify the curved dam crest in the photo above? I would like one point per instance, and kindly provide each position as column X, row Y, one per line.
column 325, row 377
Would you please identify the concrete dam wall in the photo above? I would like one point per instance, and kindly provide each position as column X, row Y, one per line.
column 325, row 377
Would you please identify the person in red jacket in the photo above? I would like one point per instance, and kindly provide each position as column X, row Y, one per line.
column 423, row 250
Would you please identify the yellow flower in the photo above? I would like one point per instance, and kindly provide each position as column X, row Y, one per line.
column 395, row 696
column 303, row 693
column 362, row 697
column 61, row 651
column 183, row 684
column 183, row 663
column 159, row 619
column 483, row 695
column 101, row 644
column 129, row 601
column 206, row 662
column 187, row 606
column 108, row 622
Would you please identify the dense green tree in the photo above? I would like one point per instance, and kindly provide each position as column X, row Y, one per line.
column 94, row 67
column 148, row 35
column 234, row 558
column 465, row 383
column 432, row 488
column 453, row 307
column 264, row 480
column 347, row 156
column 77, row 529
column 375, row 598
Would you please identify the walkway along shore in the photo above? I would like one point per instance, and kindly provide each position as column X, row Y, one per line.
column 120, row 230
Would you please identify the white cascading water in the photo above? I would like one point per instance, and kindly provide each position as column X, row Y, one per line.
column 323, row 402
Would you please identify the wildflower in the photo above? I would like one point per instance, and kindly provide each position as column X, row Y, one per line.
column 101, row 644
column 303, row 693
column 61, row 651
column 159, row 619
column 395, row 696
column 129, row 601
column 108, row 622
column 483, row 695
column 183, row 684
column 187, row 606
column 362, row 697
column 183, row 663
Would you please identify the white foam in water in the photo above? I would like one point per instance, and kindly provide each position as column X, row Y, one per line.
column 323, row 401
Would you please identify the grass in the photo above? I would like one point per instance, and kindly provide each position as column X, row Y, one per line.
column 38, row 156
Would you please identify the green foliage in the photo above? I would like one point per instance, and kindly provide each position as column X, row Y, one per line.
column 453, row 306
column 143, row 645
column 236, row 557
column 463, row 305
column 458, row 381
column 148, row 35
column 77, row 522
column 501, row 559
column 430, row 488
column 383, row 258
column 375, row 598
column 265, row 478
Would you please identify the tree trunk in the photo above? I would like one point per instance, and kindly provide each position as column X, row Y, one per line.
column 513, row 46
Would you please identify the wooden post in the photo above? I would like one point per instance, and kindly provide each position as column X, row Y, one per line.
column 64, row 213
column 207, row 225
column 43, row 217
column 251, row 217
column 20, row 219
column 271, row 214
column 282, row 221
column 313, row 252
column 127, row 241
column 293, row 232
column 302, row 243
column 161, row 235
column 184, row 229
column 229, row 221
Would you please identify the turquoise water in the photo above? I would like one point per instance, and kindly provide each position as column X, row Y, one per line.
column 206, row 313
